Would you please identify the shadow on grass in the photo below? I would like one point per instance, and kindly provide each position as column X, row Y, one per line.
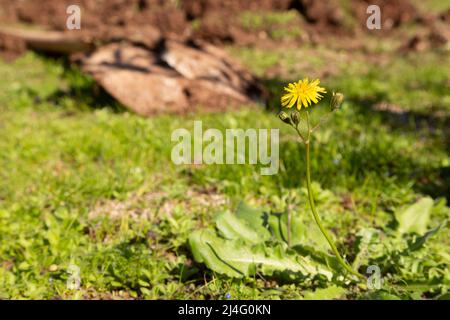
column 435, row 180
column 432, row 179
column 81, row 90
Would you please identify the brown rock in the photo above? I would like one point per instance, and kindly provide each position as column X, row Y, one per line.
column 174, row 78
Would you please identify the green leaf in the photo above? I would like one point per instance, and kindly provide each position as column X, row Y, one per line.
column 415, row 218
column 381, row 295
column 206, row 248
column 254, row 217
column 420, row 241
column 237, row 258
column 243, row 225
column 305, row 233
column 332, row 292
column 444, row 296
column 253, row 240
column 367, row 240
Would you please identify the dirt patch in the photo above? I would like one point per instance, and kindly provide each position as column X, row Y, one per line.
column 195, row 9
column 435, row 38
column 219, row 21
column 11, row 47
column 98, row 18
column 389, row 107
column 154, row 204
column 435, row 35
column 445, row 16
column 394, row 13
column 323, row 15
column 210, row 20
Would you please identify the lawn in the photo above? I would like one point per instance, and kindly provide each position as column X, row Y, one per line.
column 88, row 187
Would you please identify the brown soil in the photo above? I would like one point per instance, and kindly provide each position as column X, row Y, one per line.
column 210, row 20
column 100, row 19
column 393, row 12
column 11, row 47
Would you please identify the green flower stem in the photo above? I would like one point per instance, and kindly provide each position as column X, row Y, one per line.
column 289, row 226
column 314, row 211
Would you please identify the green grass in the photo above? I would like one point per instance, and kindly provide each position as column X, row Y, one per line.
column 257, row 20
column 84, row 182
column 414, row 82
column 434, row 6
column 278, row 25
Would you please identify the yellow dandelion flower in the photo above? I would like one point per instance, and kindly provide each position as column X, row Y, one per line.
column 303, row 93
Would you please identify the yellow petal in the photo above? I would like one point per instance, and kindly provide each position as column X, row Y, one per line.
column 292, row 102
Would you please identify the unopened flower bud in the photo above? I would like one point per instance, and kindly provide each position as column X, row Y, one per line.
column 284, row 117
column 295, row 116
column 336, row 100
